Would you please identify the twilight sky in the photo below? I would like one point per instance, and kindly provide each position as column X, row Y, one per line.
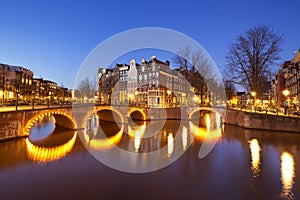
column 52, row 38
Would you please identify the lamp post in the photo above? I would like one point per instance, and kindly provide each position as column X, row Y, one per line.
column 285, row 93
column 169, row 93
column 253, row 93
column 136, row 93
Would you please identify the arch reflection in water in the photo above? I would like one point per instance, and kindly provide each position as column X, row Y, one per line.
column 255, row 157
column 48, row 154
column 103, row 143
column 287, row 175
column 207, row 134
column 95, row 138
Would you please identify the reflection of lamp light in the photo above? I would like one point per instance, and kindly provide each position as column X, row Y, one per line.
column 184, row 137
column 255, row 157
column 207, row 121
column 136, row 93
column 170, row 145
column 287, row 173
column 169, row 92
column 202, row 134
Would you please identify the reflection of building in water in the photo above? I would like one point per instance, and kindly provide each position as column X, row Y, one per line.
column 287, row 175
column 255, row 157
column 44, row 154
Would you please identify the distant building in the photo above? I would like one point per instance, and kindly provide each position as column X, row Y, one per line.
column 292, row 81
column 15, row 83
column 288, row 78
column 151, row 83
column 241, row 98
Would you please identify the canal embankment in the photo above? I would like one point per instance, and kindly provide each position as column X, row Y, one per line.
column 262, row 121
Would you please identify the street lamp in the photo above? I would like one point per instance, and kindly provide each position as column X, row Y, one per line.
column 169, row 93
column 136, row 93
column 253, row 93
column 285, row 93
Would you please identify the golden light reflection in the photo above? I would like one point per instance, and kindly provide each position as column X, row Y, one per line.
column 184, row 137
column 287, row 175
column 137, row 143
column 218, row 120
column 207, row 121
column 170, row 145
column 255, row 157
column 105, row 143
column 137, row 133
column 44, row 154
column 203, row 134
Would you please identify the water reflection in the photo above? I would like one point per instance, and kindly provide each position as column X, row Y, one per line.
column 47, row 154
column 205, row 133
column 255, row 157
column 223, row 174
column 42, row 128
column 287, row 175
column 170, row 145
column 102, row 143
column 137, row 133
column 211, row 131
column 184, row 137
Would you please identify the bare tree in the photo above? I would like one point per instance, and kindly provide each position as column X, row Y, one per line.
column 251, row 57
column 195, row 68
column 86, row 88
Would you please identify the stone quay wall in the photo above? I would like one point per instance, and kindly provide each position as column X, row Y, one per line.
column 262, row 121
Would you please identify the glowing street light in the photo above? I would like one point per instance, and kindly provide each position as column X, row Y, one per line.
column 169, row 92
column 253, row 93
column 285, row 93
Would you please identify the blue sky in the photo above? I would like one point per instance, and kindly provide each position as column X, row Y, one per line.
column 52, row 38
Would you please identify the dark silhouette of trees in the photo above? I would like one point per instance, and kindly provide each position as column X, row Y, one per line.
column 251, row 57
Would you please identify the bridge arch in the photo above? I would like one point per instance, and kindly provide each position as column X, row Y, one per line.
column 99, row 109
column 190, row 114
column 63, row 119
column 136, row 114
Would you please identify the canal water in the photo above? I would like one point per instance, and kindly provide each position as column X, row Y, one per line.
column 54, row 163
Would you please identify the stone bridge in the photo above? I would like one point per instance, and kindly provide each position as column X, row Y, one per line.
column 18, row 123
